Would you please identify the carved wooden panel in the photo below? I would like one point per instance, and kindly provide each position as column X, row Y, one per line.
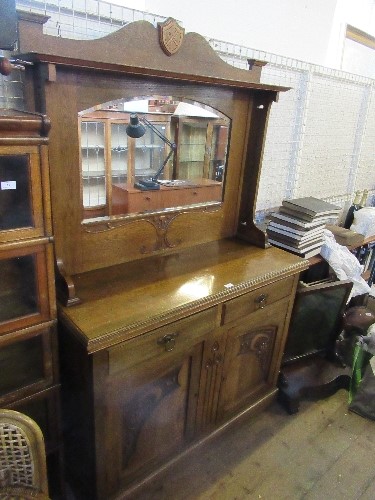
column 212, row 366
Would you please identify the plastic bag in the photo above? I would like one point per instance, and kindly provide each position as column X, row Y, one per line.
column 364, row 222
column 344, row 264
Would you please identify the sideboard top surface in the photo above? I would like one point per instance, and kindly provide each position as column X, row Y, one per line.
column 127, row 300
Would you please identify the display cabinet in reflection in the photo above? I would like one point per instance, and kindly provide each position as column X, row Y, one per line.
column 201, row 148
column 110, row 158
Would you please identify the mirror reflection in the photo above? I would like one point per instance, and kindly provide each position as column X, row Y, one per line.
column 151, row 154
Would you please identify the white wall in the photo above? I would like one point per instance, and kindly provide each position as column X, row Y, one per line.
column 309, row 30
column 132, row 4
column 340, row 54
column 293, row 28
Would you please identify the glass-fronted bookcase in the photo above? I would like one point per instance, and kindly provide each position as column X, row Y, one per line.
column 28, row 346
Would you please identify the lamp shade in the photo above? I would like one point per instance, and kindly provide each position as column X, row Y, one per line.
column 135, row 128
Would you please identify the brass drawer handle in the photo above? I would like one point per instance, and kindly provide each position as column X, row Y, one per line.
column 168, row 341
column 261, row 301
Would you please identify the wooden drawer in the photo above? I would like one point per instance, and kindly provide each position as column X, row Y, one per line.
column 173, row 338
column 202, row 194
column 258, row 299
column 141, row 201
column 26, row 363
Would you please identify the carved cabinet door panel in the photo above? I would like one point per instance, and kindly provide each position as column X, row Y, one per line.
column 149, row 415
column 250, row 357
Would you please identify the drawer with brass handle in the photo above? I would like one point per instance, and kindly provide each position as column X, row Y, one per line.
column 173, row 338
column 248, row 303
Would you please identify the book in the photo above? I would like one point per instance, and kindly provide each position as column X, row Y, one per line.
column 306, row 252
column 307, row 217
column 293, row 219
column 294, row 226
column 289, row 231
column 294, row 241
column 311, row 206
column 294, row 237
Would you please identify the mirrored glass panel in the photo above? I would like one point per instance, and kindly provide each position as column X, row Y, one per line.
column 151, row 154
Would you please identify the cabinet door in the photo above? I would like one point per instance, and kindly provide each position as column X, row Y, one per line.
column 151, row 397
column 192, row 158
column 251, row 354
column 149, row 416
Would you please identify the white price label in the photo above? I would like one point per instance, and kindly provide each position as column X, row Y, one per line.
column 8, row 185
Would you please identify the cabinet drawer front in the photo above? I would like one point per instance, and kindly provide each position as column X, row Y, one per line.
column 258, row 299
column 143, row 200
column 171, row 339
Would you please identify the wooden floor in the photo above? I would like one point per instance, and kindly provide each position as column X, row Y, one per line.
column 324, row 452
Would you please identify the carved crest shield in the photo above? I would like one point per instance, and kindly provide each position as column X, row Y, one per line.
column 171, row 36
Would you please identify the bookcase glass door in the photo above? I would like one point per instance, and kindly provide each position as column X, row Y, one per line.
column 15, row 192
column 119, row 159
column 28, row 356
column 93, row 164
column 19, row 289
column 192, row 149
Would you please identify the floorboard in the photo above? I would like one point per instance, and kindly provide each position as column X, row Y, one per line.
column 322, row 452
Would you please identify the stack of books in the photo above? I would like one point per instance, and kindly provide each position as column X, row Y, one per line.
column 299, row 224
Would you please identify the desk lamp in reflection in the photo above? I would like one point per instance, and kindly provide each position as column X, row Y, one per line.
column 136, row 129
